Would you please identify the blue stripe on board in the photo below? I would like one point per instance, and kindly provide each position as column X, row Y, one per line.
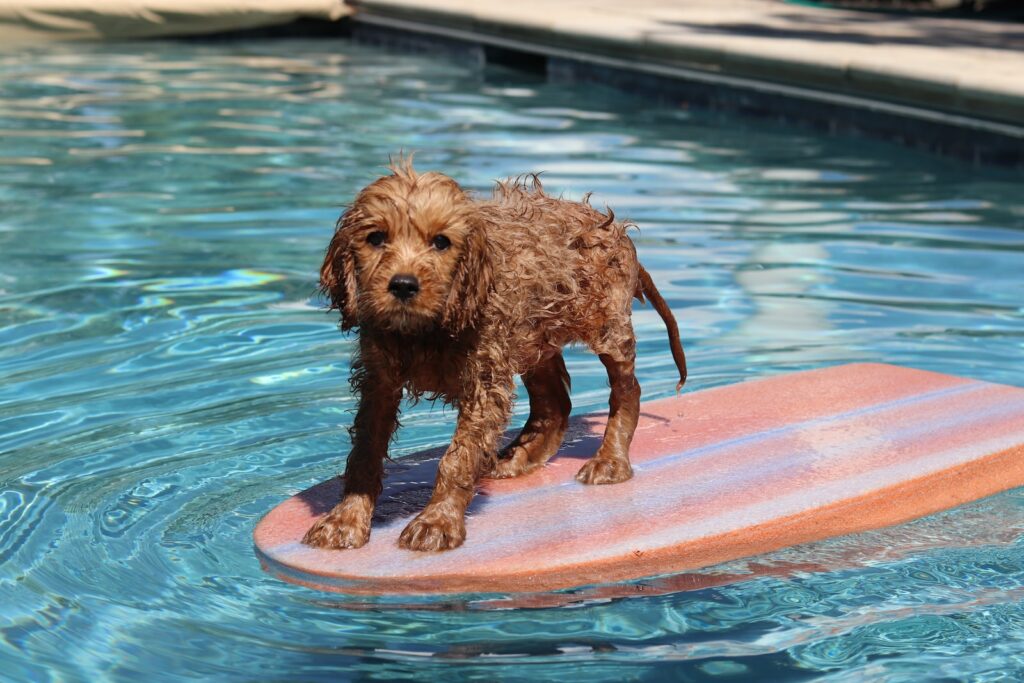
column 818, row 421
column 909, row 434
column 702, row 451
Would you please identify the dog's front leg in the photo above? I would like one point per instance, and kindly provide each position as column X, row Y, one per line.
column 483, row 415
column 347, row 525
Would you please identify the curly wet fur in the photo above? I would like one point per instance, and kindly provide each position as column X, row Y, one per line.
column 524, row 275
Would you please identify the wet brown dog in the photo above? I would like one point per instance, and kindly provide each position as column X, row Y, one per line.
column 453, row 298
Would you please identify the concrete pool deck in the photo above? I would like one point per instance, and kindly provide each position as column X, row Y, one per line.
column 968, row 67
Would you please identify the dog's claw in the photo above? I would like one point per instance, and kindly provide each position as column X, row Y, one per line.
column 604, row 471
column 431, row 532
column 337, row 530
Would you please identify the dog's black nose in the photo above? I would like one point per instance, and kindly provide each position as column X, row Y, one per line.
column 404, row 287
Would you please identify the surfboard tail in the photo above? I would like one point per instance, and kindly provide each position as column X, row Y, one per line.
column 647, row 288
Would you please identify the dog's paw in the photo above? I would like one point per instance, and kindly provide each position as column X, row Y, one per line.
column 338, row 529
column 602, row 471
column 513, row 462
column 433, row 531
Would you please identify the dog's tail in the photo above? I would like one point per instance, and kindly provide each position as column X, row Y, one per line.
column 647, row 287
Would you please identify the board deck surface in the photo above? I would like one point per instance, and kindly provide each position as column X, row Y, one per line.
column 719, row 474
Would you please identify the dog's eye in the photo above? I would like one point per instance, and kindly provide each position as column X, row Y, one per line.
column 441, row 242
column 376, row 238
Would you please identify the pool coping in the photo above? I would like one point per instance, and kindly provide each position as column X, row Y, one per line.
column 792, row 89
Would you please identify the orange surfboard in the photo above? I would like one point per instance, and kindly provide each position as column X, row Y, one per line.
column 719, row 474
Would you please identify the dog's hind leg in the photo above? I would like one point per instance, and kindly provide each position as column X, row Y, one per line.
column 548, row 387
column 610, row 465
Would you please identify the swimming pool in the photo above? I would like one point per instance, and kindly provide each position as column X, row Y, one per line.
column 170, row 375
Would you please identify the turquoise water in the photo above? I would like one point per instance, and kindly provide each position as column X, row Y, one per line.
column 169, row 373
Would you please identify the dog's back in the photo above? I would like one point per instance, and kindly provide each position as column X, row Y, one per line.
column 564, row 270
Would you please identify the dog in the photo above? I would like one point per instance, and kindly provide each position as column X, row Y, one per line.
column 453, row 297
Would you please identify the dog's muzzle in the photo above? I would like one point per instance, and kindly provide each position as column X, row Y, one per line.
column 404, row 287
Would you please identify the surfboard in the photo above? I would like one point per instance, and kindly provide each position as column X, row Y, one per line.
column 719, row 474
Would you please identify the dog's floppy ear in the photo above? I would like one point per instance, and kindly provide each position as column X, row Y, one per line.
column 471, row 281
column 337, row 274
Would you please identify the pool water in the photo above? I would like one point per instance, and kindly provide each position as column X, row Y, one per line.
column 170, row 374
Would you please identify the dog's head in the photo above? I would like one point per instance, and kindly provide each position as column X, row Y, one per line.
column 409, row 255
